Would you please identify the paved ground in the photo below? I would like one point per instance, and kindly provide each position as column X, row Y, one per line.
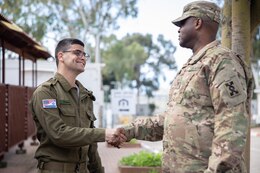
column 255, row 132
column 25, row 163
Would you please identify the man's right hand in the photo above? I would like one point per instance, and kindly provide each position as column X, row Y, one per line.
column 115, row 137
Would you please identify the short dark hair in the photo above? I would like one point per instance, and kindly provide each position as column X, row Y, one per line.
column 64, row 45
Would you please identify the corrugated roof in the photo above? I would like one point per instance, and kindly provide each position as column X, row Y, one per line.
column 16, row 40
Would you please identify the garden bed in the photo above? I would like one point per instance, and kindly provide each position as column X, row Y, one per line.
column 142, row 162
column 139, row 169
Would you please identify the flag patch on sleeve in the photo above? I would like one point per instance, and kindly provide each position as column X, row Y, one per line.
column 49, row 103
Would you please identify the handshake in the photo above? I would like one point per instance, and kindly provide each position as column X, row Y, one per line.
column 115, row 137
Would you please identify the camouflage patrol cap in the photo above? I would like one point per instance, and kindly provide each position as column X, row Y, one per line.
column 199, row 9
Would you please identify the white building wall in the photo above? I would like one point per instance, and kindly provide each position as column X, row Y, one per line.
column 160, row 100
column 90, row 78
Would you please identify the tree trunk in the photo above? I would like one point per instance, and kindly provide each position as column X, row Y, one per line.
column 226, row 30
column 97, row 48
column 241, row 28
column 241, row 44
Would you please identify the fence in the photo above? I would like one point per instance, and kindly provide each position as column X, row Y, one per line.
column 16, row 123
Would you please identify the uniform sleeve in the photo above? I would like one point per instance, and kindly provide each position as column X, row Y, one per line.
column 94, row 164
column 228, row 90
column 55, row 128
column 149, row 129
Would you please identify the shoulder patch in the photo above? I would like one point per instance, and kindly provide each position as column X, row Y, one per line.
column 232, row 89
column 49, row 103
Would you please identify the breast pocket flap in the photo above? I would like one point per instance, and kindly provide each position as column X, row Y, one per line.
column 67, row 111
column 91, row 115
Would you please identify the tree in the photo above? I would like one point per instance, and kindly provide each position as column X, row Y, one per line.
column 136, row 61
column 28, row 15
column 65, row 18
column 226, row 24
column 244, row 18
column 241, row 28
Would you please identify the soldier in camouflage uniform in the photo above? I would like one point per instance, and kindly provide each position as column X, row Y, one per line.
column 205, row 126
column 63, row 113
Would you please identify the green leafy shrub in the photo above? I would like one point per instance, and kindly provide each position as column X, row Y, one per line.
column 133, row 141
column 143, row 158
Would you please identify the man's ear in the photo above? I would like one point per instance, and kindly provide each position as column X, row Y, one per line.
column 198, row 23
column 60, row 56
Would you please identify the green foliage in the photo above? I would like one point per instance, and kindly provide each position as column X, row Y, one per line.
column 137, row 61
column 133, row 141
column 142, row 158
column 29, row 15
column 65, row 18
column 121, row 59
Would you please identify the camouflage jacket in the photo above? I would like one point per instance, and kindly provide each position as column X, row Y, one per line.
column 205, row 125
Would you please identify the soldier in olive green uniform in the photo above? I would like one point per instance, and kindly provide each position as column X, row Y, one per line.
column 205, row 126
column 63, row 112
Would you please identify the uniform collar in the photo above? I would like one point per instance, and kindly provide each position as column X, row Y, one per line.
column 66, row 86
column 63, row 81
column 83, row 92
column 82, row 89
column 201, row 53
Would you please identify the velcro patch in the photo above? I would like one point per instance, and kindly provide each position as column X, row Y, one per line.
column 65, row 102
column 49, row 103
column 232, row 89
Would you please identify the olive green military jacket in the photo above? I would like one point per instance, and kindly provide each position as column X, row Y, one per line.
column 205, row 125
column 64, row 121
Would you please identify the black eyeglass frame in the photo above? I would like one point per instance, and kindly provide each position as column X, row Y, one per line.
column 78, row 53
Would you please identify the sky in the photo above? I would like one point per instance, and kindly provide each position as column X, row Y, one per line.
column 154, row 17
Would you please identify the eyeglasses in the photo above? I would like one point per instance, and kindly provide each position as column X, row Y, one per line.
column 78, row 53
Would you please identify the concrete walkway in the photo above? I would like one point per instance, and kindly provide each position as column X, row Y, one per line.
column 25, row 163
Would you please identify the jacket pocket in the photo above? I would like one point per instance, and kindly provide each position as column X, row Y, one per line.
column 68, row 115
column 185, row 80
column 90, row 115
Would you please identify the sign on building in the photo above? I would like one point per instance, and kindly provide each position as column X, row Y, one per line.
column 123, row 102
